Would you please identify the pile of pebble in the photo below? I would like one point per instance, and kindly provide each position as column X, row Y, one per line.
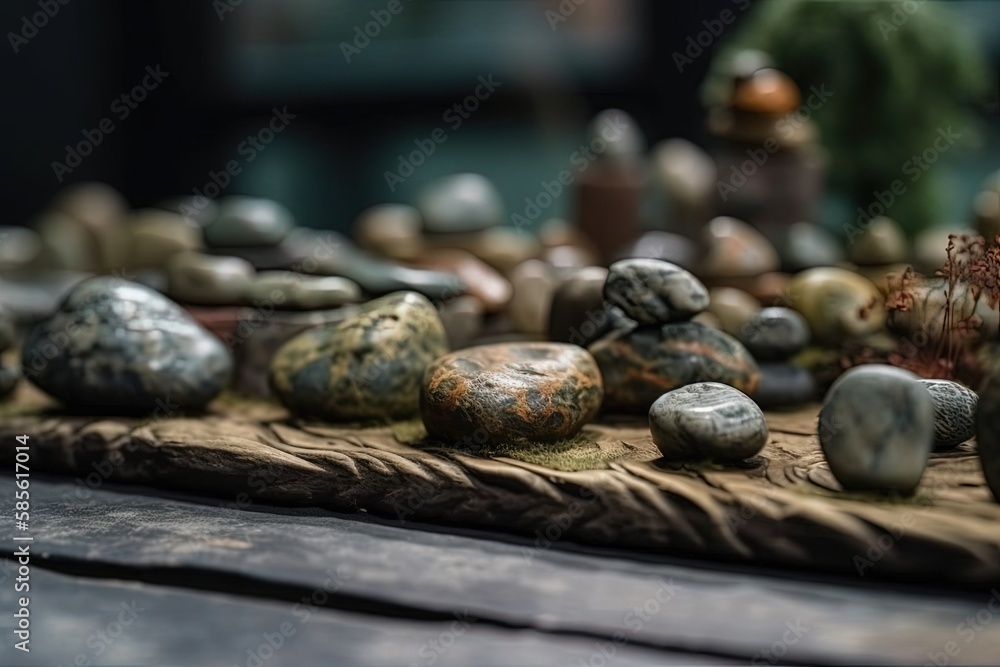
column 442, row 311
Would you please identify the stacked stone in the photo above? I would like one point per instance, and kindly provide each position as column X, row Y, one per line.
column 654, row 346
column 774, row 336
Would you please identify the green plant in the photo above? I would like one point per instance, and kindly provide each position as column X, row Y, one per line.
column 898, row 73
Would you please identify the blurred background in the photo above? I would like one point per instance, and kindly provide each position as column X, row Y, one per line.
column 359, row 104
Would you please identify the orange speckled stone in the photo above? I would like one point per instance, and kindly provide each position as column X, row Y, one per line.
column 511, row 392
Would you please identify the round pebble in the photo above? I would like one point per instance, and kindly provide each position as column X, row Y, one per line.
column 775, row 334
column 209, row 280
column 367, row 367
column 118, row 345
column 534, row 282
column 807, row 246
column 734, row 249
column 249, row 221
column 460, row 203
column 883, row 242
column 159, row 235
column 651, row 291
column 876, row 429
column 733, row 307
column 707, row 421
column 640, row 364
column 838, row 304
column 511, row 392
column 392, row 230
column 954, row 412
column 988, row 433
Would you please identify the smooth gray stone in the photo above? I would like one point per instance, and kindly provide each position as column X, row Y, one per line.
column 117, row 346
column 88, row 621
column 707, row 421
column 249, row 221
column 807, row 246
column 295, row 291
column 954, row 412
column 784, row 385
column 460, row 203
column 540, row 582
column 988, row 433
column 579, row 313
column 876, row 429
column 208, row 280
column 651, row 291
column 775, row 334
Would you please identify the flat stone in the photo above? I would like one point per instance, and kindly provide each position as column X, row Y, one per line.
column 733, row 307
column 249, row 221
column 651, row 291
column 209, row 280
column 784, row 385
column 876, row 429
column 988, row 433
column 579, row 313
column 707, row 421
column 954, row 412
column 734, row 249
column 807, row 246
column 368, row 367
column 775, row 334
column 511, row 392
column 288, row 290
column 116, row 345
column 838, row 304
column 460, row 203
column 642, row 363
column 883, row 242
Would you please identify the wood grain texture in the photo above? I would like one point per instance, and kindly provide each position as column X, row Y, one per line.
column 783, row 508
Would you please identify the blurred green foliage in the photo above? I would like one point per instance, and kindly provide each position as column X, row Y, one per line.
column 898, row 71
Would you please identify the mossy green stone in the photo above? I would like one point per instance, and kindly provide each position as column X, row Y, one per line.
column 368, row 367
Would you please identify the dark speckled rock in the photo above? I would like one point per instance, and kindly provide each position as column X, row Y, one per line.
column 775, row 334
column 511, row 392
column 707, row 421
column 651, row 291
column 641, row 364
column 954, row 412
column 876, row 429
column 988, row 433
column 116, row 345
column 367, row 367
